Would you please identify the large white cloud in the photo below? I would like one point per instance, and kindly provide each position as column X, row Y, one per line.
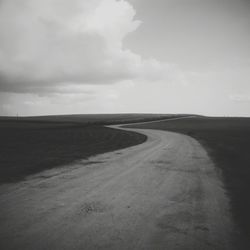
column 47, row 44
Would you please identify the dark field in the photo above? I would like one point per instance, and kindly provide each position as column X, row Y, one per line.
column 27, row 147
column 92, row 119
column 32, row 144
column 228, row 142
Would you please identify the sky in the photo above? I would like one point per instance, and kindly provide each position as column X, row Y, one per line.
column 125, row 56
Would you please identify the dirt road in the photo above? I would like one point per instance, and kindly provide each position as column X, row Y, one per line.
column 162, row 194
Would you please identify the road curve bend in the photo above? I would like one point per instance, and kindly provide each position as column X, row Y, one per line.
column 162, row 194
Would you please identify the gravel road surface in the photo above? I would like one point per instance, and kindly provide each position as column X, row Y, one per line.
column 162, row 194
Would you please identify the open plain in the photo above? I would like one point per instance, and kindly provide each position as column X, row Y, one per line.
column 165, row 193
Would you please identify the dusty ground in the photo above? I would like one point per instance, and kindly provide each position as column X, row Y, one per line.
column 162, row 194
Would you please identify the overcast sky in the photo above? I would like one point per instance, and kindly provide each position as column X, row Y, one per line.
column 110, row 56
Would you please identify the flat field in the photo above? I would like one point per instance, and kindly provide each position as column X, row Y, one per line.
column 227, row 141
column 92, row 119
column 30, row 147
column 165, row 193
column 161, row 194
column 31, row 144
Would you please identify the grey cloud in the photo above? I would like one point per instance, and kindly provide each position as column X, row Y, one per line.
column 42, row 49
column 44, row 46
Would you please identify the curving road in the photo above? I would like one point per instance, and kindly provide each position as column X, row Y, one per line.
column 162, row 194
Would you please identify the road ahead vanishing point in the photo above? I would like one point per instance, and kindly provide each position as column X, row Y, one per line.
column 162, row 194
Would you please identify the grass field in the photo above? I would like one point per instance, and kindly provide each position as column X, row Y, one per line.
column 92, row 119
column 32, row 144
column 227, row 140
column 27, row 147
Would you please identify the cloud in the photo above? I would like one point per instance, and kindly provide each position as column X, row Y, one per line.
column 47, row 45
column 54, row 41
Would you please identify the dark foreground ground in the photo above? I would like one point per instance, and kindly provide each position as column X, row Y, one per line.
column 161, row 194
column 32, row 147
column 29, row 145
column 228, row 143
